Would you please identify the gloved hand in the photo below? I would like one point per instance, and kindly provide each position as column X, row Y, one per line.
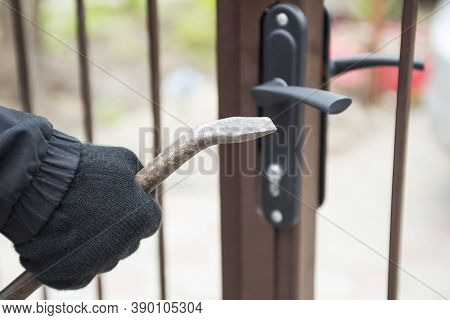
column 100, row 221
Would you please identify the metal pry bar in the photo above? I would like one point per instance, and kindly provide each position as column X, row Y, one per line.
column 224, row 131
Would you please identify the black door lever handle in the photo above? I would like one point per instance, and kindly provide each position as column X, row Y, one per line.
column 341, row 65
column 276, row 91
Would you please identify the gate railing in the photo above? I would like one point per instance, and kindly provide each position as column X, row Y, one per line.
column 22, row 286
column 258, row 260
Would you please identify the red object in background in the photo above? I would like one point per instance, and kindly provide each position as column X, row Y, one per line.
column 387, row 79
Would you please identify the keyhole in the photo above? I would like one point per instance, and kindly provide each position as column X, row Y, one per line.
column 274, row 174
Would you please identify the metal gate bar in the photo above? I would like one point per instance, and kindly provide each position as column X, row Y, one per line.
column 247, row 241
column 84, row 70
column 21, row 56
column 153, row 47
column 22, row 69
column 401, row 136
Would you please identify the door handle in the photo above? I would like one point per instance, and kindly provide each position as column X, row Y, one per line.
column 368, row 60
column 282, row 96
column 334, row 67
column 276, row 91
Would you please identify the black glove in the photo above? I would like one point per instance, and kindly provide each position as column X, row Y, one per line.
column 100, row 221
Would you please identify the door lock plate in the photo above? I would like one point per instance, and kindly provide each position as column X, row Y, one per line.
column 283, row 50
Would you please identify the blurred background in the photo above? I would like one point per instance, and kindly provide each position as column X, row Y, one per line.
column 360, row 142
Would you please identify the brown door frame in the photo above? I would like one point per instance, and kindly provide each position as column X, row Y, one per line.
column 260, row 262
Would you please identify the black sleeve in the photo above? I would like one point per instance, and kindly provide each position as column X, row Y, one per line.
column 37, row 164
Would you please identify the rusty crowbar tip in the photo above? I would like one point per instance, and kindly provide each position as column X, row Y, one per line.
column 223, row 131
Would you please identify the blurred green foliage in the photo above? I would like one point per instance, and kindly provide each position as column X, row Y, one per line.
column 364, row 9
column 196, row 28
column 58, row 17
column 187, row 25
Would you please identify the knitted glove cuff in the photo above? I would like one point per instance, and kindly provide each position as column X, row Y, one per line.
column 46, row 189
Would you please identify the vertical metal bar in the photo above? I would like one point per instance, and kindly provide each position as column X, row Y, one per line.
column 153, row 47
column 259, row 262
column 247, row 240
column 401, row 135
column 84, row 70
column 21, row 55
column 44, row 293
column 22, row 69
column 227, row 52
column 85, row 89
